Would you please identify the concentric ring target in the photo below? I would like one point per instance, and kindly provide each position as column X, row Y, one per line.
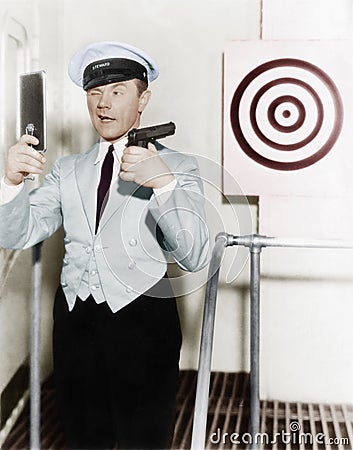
column 275, row 107
column 286, row 114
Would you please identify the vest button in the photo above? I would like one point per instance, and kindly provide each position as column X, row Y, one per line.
column 133, row 242
column 131, row 265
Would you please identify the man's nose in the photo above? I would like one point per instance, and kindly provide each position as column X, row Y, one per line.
column 104, row 101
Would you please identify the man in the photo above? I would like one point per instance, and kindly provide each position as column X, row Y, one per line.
column 125, row 211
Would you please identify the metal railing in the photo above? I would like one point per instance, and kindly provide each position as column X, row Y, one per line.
column 35, row 363
column 255, row 243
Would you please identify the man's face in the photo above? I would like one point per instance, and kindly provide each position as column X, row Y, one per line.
column 116, row 108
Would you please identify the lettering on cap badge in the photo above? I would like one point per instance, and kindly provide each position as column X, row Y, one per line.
column 98, row 66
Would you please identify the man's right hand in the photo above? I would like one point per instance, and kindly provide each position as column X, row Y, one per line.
column 23, row 159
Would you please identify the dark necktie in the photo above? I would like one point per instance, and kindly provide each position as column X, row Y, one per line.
column 104, row 184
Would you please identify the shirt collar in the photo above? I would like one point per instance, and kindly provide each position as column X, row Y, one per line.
column 104, row 145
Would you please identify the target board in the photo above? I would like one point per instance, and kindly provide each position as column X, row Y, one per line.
column 288, row 125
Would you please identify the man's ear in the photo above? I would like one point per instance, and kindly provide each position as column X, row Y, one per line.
column 144, row 99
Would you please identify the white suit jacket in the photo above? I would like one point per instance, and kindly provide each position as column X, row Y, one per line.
column 136, row 236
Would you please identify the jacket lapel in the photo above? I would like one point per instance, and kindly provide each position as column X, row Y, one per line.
column 87, row 174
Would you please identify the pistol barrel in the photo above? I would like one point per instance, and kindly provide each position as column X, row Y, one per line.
column 150, row 134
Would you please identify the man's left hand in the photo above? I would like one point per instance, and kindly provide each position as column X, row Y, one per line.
column 145, row 167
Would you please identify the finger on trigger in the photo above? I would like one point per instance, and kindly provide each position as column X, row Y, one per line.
column 152, row 147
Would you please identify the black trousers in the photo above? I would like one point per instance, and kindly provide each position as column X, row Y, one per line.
column 116, row 373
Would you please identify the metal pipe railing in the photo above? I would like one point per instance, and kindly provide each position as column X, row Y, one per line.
column 258, row 240
column 35, row 381
column 205, row 357
column 255, row 252
column 255, row 243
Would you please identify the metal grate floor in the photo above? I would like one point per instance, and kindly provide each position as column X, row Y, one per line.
column 288, row 426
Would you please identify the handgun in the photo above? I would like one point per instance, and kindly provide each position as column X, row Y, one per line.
column 142, row 136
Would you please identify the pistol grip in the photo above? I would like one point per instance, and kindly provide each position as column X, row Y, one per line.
column 142, row 143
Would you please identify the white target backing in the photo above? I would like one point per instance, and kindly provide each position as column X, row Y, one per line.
column 284, row 111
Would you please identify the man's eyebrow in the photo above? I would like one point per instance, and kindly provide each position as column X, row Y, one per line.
column 96, row 88
column 118, row 83
column 112, row 85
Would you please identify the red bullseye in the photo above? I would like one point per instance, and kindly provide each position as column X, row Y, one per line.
column 294, row 121
column 301, row 114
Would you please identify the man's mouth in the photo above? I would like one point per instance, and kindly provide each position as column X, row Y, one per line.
column 105, row 118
